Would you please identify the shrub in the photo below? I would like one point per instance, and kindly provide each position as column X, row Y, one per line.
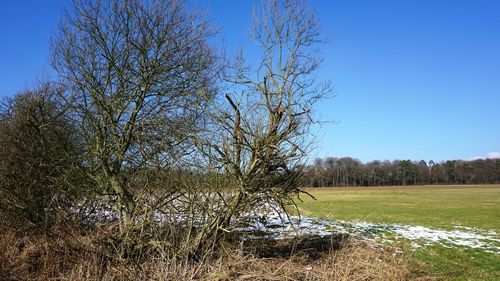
column 37, row 152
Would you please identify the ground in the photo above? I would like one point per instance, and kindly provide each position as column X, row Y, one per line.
column 465, row 210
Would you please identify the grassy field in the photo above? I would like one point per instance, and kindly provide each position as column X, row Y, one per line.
column 441, row 207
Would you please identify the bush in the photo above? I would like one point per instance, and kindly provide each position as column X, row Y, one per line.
column 37, row 153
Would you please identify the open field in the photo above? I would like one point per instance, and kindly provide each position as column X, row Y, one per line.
column 437, row 207
column 442, row 206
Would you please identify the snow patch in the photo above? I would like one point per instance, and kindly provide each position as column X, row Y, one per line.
column 278, row 226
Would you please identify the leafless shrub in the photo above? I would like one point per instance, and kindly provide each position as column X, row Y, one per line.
column 260, row 130
column 38, row 154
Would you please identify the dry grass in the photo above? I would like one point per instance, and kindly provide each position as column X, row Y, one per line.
column 67, row 255
column 351, row 263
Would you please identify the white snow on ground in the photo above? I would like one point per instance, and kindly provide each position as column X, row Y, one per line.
column 266, row 221
column 278, row 226
column 474, row 238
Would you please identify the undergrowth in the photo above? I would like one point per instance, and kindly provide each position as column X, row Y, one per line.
column 66, row 252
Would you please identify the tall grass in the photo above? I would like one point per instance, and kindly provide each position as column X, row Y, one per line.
column 65, row 253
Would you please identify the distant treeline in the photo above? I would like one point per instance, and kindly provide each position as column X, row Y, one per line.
column 347, row 171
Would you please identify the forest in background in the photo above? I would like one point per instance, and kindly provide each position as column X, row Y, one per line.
column 347, row 171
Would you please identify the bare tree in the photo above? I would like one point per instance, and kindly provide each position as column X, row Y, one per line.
column 261, row 130
column 137, row 74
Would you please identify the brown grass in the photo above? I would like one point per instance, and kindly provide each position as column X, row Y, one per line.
column 67, row 255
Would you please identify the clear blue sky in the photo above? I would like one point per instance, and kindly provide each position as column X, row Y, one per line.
column 413, row 79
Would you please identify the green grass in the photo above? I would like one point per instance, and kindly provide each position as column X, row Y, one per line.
column 444, row 207
column 456, row 264
column 439, row 207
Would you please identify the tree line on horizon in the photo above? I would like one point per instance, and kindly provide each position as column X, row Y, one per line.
column 347, row 171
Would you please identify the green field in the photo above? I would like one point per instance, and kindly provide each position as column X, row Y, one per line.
column 439, row 207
